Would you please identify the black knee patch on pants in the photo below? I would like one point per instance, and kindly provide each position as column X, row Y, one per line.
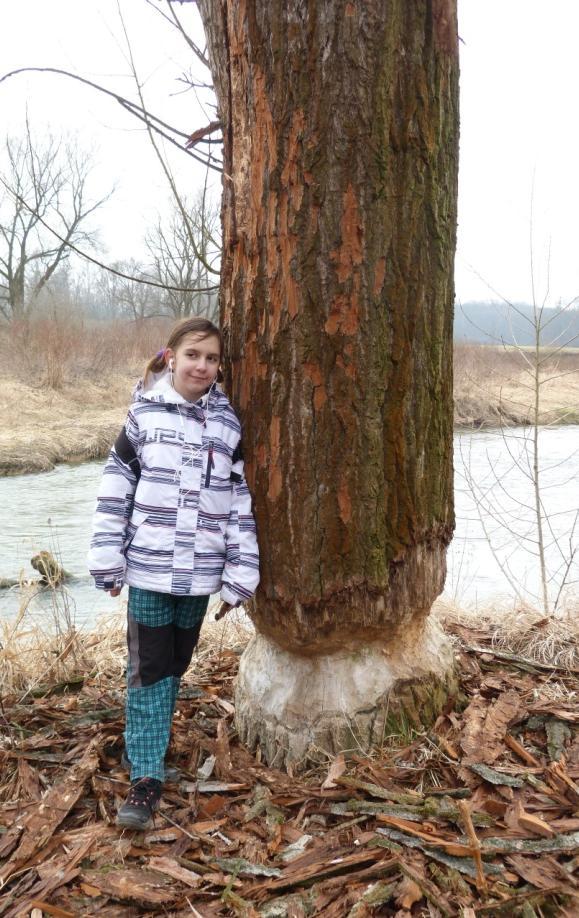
column 186, row 640
column 151, row 652
column 158, row 652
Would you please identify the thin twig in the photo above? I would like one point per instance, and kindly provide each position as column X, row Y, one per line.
column 481, row 883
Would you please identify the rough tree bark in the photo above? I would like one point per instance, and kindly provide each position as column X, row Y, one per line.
column 339, row 217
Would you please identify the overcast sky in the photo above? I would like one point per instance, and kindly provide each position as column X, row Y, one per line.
column 519, row 130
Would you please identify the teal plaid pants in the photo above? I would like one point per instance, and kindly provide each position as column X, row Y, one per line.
column 162, row 632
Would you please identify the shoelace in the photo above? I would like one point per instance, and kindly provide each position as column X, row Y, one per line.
column 142, row 792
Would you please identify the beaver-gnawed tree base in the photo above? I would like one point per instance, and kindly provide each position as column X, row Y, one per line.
column 300, row 709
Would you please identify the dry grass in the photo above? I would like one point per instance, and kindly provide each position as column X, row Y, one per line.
column 494, row 386
column 523, row 630
column 43, row 426
column 66, row 387
column 35, row 657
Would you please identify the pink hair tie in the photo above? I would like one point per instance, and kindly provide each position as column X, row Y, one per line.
column 161, row 353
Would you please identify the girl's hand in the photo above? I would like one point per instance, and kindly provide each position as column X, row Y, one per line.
column 223, row 609
column 114, row 592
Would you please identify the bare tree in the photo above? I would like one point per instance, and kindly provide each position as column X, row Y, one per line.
column 128, row 293
column 185, row 253
column 44, row 187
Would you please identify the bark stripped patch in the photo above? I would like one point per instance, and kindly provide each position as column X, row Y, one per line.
column 344, row 502
column 290, row 177
column 280, row 240
column 253, row 370
column 274, row 468
column 445, row 25
column 314, row 374
column 344, row 315
column 344, row 309
column 349, row 255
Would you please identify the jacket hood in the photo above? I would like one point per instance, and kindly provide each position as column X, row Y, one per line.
column 156, row 387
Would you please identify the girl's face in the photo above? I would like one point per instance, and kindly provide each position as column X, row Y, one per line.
column 195, row 365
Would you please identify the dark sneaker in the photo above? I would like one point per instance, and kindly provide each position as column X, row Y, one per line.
column 142, row 801
column 172, row 775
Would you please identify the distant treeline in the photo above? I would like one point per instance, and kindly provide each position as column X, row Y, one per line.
column 499, row 323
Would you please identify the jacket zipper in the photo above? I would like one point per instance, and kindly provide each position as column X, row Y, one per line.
column 210, row 465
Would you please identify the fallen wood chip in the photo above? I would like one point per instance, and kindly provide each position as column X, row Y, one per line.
column 336, row 769
column 377, row 894
column 222, row 752
column 383, row 793
column 408, row 893
column 49, row 909
column 133, row 884
column 240, row 867
column 40, row 823
column 526, row 661
column 322, row 870
column 513, row 904
column 494, row 777
column 462, row 864
column 543, row 873
column 486, row 726
column 430, row 891
column 295, row 850
column 558, row 733
column 532, row 823
column 375, row 809
column 520, row 750
column 568, row 842
column 558, row 776
column 453, row 847
column 173, row 869
column 216, row 787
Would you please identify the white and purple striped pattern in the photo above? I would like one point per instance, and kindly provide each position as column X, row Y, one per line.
column 185, row 526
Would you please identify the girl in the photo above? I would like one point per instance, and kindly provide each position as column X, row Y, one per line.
column 174, row 522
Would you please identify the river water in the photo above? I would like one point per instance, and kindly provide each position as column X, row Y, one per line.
column 493, row 555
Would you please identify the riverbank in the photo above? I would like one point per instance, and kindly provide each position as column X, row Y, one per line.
column 495, row 387
column 79, row 421
column 42, row 427
column 479, row 813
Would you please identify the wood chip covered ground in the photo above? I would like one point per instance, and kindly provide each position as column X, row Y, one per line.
column 478, row 816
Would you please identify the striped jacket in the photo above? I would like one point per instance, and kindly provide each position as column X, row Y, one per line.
column 173, row 510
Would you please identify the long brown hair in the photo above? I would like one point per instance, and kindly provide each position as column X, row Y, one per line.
column 195, row 325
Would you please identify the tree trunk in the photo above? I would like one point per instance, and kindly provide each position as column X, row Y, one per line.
column 340, row 122
column 16, row 292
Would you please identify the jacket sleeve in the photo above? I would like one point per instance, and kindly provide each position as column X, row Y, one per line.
column 114, row 507
column 241, row 572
